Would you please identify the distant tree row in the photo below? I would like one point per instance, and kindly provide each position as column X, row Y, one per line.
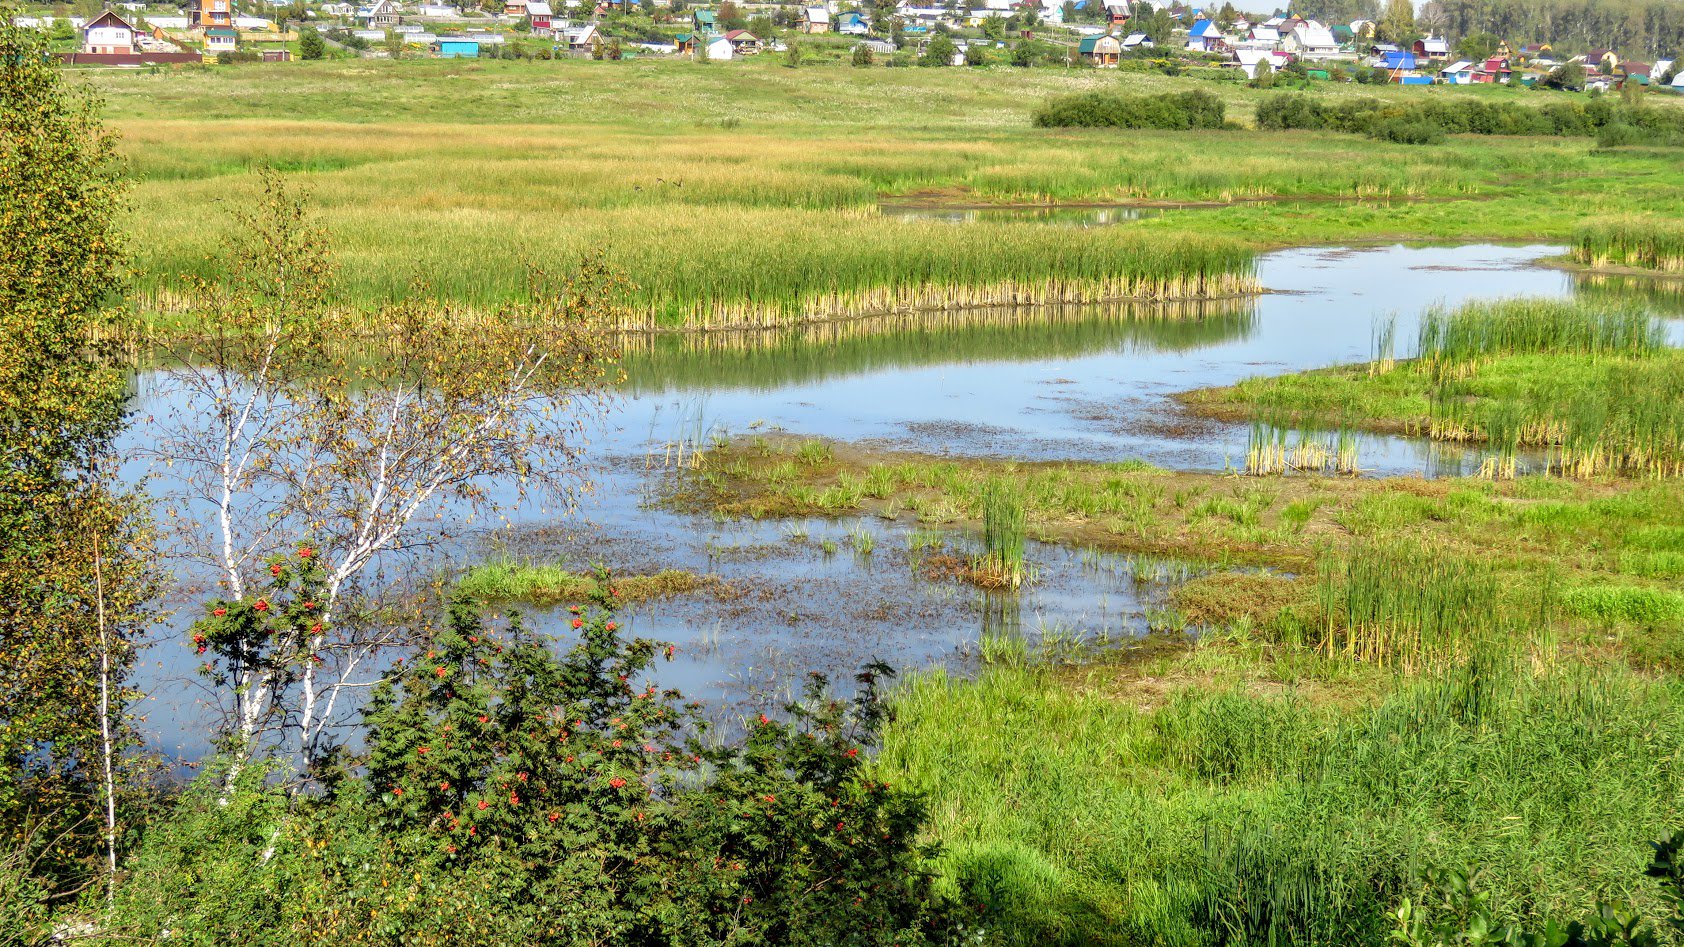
column 1634, row 28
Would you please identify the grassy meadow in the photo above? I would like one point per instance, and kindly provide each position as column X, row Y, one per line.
column 745, row 193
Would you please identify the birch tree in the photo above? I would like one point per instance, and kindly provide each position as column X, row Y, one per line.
column 308, row 440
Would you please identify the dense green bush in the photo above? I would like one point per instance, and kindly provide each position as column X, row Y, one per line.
column 1179, row 110
column 508, row 796
column 1407, row 131
column 1463, row 116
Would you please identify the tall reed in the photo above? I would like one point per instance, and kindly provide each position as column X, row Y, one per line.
column 1004, row 527
column 1643, row 242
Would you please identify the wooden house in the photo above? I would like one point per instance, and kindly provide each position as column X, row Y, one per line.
column 1103, row 51
column 743, row 43
column 815, row 20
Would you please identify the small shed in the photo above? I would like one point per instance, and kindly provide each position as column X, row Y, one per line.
column 456, row 47
column 743, row 43
column 1103, row 51
column 720, row 48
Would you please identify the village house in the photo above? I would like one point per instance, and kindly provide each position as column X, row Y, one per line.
column 381, row 15
column 1103, row 51
column 1460, row 72
column 702, row 21
column 1247, row 60
column 221, row 40
column 743, row 43
column 1116, row 14
column 1137, row 41
column 1205, row 37
column 815, row 20
column 1310, row 41
column 1261, row 37
column 719, row 48
column 852, row 24
column 1431, row 48
column 205, row 14
column 108, row 33
column 1495, row 69
column 540, row 18
column 1605, row 61
column 583, row 40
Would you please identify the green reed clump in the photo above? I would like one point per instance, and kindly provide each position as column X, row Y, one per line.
column 1004, row 527
column 1641, row 242
column 1407, row 606
column 1481, row 330
column 540, row 584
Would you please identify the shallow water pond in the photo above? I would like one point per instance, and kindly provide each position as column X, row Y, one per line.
column 1074, row 382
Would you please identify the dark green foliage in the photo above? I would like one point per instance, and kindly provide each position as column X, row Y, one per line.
column 311, row 45
column 1177, row 110
column 512, row 796
column 68, row 542
column 1410, row 121
column 939, row 52
column 1464, row 914
column 1407, row 132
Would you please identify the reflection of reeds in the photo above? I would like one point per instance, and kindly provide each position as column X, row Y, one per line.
column 1268, row 451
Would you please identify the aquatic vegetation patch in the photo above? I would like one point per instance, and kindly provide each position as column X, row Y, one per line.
column 1646, row 243
column 537, row 584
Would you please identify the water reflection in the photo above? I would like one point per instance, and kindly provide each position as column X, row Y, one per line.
column 1073, row 382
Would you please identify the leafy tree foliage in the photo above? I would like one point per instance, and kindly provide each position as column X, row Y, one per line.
column 70, row 549
column 509, row 795
column 1636, row 28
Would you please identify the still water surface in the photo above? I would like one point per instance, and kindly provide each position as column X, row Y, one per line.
column 1089, row 383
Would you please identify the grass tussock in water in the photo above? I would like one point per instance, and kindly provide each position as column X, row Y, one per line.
column 1229, row 815
column 1590, row 386
column 509, row 581
column 1646, row 243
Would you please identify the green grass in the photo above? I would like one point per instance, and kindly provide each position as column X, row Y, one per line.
column 509, row 581
column 1587, row 383
column 747, row 192
column 1081, row 810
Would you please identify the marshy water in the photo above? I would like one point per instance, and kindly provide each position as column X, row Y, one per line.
column 1089, row 383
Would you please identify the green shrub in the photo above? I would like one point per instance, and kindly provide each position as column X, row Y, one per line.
column 1179, row 110
column 1407, row 132
column 510, row 796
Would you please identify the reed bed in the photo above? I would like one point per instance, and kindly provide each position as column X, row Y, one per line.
column 1647, row 243
column 544, row 584
column 1275, row 447
column 1453, row 340
column 1405, row 606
